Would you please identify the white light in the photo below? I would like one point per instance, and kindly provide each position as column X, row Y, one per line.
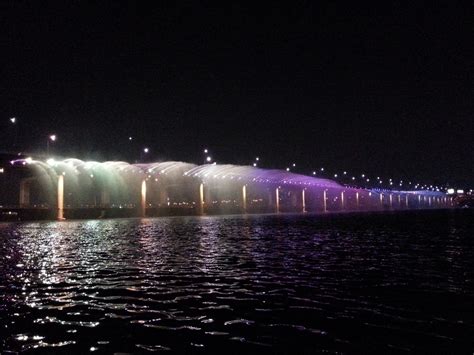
column 345, row 173
column 335, row 175
column 460, row 191
column 2, row 170
column 322, row 169
column 29, row 160
column 130, row 138
column 287, row 169
column 146, row 150
column 13, row 120
column 314, row 172
column 353, row 178
column 51, row 162
column 368, row 180
column 91, row 175
column 257, row 158
column 208, row 159
column 294, row 164
column 205, row 151
column 254, row 164
column 53, row 137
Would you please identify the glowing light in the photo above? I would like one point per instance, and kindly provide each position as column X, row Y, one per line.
column 345, row 172
column 294, row 164
column 61, row 197
column 460, row 191
column 51, row 162
column 13, row 120
column 2, row 170
column 143, row 199
column 254, row 164
column 146, row 150
column 130, row 138
column 208, row 159
column 257, row 158
column 322, row 169
column 29, row 160
column 53, row 137
column 287, row 169
column 314, row 172
column 335, row 175
column 206, row 151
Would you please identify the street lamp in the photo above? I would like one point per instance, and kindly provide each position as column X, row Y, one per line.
column 13, row 120
column 52, row 138
column 143, row 153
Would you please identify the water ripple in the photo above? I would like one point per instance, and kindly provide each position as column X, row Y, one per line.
column 350, row 283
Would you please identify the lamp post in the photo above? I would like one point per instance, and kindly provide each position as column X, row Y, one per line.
column 255, row 163
column 52, row 138
column 143, row 154
column 13, row 122
column 207, row 157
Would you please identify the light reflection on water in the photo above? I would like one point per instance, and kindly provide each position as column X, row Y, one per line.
column 339, row 283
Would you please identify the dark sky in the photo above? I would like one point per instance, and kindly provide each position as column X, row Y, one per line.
column 386, row 90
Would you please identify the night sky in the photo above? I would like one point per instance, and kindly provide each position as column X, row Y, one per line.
column 384, row 90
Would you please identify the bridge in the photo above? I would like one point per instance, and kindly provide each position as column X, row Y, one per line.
column 72, row 188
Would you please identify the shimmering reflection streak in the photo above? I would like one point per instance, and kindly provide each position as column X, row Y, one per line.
column 301, row 283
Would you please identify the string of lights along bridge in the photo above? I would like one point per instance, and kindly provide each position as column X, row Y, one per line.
column 69, row 187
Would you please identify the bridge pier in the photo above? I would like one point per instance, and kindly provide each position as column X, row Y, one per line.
column 325, row 206
column 143, row 199
column 201, row 199
column 25, row 192
column 60, row 211
column 277, row 200
column 163, row 196
column 303, row 201
column 104, row 198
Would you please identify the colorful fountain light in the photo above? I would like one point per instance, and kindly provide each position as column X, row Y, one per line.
column 77, row 183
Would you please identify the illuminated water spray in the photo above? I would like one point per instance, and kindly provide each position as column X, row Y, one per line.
column 154, row 188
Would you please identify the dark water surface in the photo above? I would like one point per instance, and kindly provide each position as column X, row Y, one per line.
column 290, row 283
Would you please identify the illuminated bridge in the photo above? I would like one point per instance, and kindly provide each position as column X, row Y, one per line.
column 73, row 188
